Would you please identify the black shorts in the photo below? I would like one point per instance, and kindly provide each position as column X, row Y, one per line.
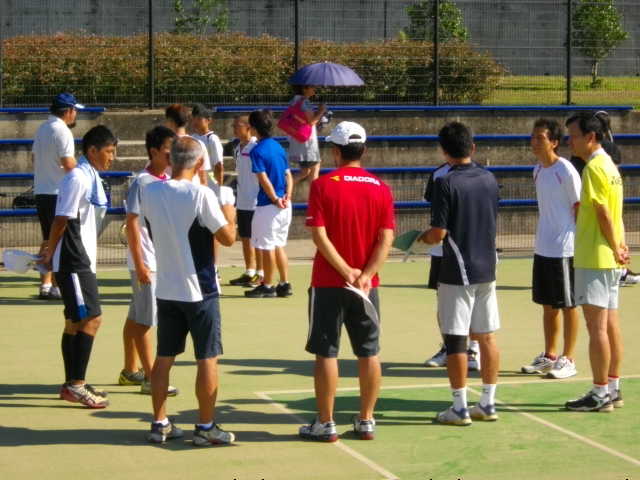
column 46, row 208
column 306, row 164
column 434, row 272
column 244, row 218
column 329, row 308
column 553, row 281
column 79, row 294
column 201, row 319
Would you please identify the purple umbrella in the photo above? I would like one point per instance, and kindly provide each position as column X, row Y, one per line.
column 326, row 73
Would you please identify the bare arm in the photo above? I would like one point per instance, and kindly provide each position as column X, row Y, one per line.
column 218, row 172
column 58, row 227
column 313, row 118
column 377, row 258
column 143, row 273
column 432, row 236
column 328, row 251
column 605, row 221
column 68, row 163
column 227, row 234
column 576, row 207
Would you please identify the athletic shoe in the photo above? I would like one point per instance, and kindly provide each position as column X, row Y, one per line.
column 629, row 278
column 44, row 293
column 454, row 417
column 145, row 389
column 241, row 280
column 363, row 428
column 86, row 396
column 284, row 290
column 473, row 360
column 590, row 402
column 65, row 394
column 562, row 368
column 96, row 391
column 54, row 295
column 540, row 364
column 261, row 291
column 616, row 399
column 214, row 436
column 439, row 359
column 322, row 432
column 254, row 281
column 160, row 434
column 134, row 378
column 486, row 414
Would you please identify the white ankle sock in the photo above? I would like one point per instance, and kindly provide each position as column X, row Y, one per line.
column 473, row 345
column 164, row 422
column 600, row 390
column 260, row 273
column 459, row 398
column 206, row 426
column 488, row 394
column 46, row 286
column 614, row 384
column 251, row 272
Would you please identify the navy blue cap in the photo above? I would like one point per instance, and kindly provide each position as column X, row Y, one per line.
column 66, row 100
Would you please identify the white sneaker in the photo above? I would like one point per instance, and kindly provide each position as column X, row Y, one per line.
column 629, row 279
column 439, row 359
column 486, row 414
column 318, row 431
column 562, row 368
column 540, row 364
column 364, row 429
column 454, row 417
column 473, row 360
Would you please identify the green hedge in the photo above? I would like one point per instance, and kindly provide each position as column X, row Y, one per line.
column 227, row 69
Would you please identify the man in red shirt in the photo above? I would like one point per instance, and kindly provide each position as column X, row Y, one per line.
column 351, row 219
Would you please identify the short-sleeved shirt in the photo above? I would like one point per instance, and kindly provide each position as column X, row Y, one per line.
column 612, row 150
column 248, row 185
column 269, row 157
column 465, row 203
column 143, row 179
column 206, row 165
column 558, row 190
column 601, row 182
column 428, row 196
column 353, row 205
column 213, row 146
column 53, row 140
column 77, row 249
column 181, row 219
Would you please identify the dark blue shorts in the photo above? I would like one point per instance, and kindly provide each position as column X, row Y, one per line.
column 201, row 319
column 79, row 294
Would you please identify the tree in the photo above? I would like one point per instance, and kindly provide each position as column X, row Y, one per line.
column 597, row 31
column 202, row 14
column 422, row 16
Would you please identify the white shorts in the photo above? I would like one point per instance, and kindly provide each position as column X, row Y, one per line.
column 270, row 227
column 142, row 308
column 468, row 307
column 598, row 287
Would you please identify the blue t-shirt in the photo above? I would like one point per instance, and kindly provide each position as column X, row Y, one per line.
column 269, row 157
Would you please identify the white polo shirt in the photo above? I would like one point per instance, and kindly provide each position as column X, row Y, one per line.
column 213, row 146
column 248, row 185
column 53, row 140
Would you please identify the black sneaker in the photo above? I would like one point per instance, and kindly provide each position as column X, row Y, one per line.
column 284, row 290
column 261, row 291
column 160, row 434
column 241, row 280
column 590, row 402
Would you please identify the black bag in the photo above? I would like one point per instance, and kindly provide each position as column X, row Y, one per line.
column 25, row 200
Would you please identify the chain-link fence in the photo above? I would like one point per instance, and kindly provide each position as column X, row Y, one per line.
column 148, row 53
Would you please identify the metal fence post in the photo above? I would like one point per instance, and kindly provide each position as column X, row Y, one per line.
column 569, row 47
column 297, row 34
column 436, row 52
column 151, row 64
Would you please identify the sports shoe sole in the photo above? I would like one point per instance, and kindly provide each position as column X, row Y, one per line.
column 462, row 422
column 328, row 438
column 617, row 403
column 559, row 377
column 485, row 418
column 603, row 409
column 203, row 442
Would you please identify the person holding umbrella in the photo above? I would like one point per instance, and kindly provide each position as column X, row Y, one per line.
column 306, row 154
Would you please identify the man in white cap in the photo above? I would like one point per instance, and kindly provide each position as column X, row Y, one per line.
column 350, row 214
column 53, row 155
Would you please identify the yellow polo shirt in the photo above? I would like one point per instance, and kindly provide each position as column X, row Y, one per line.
column 601, row 183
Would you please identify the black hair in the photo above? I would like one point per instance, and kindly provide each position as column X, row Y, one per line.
column 456, row 139
column 554, row 130
column 99, row 136
column 178, row 114
column 202, row 110
column 262, row 121
column 587, row 123
column 352, row 151
column 606, row 124
column 297, row 89
column 59, row 111
column 157, row 136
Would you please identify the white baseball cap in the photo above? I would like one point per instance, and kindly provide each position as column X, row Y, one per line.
column 341, row 134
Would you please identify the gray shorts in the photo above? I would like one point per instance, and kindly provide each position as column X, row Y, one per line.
column 468, row 307
column 598, row 287
column 142, row 308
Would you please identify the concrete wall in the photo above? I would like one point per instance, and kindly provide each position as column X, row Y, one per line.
column 525, row 35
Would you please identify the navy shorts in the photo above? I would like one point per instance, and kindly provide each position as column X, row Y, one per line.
column 244, row 218
column 434, row 272
column 201, row 319
column 329, row 309
column 553, row 280
column 46, row 208
column 79, row 294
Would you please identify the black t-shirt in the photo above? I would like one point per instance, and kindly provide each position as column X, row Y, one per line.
column 465, row 203
column 612, row 150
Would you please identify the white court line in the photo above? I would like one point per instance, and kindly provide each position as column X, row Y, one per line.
column 349, row 451
column 565, row 431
